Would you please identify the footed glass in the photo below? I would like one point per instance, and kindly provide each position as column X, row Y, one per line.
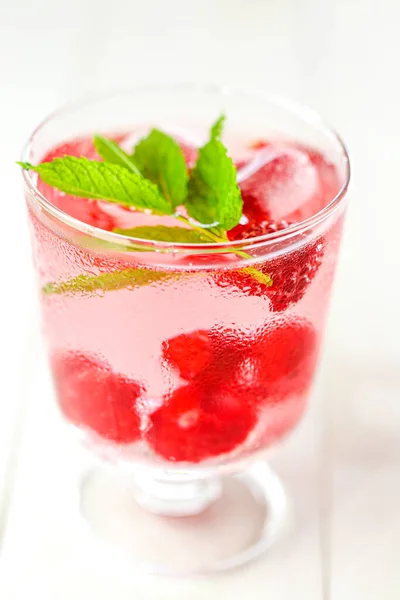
column 174, row 363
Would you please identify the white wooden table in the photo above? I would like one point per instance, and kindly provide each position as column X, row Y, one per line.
column 339, row 56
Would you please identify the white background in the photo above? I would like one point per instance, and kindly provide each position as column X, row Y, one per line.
column 342, row 58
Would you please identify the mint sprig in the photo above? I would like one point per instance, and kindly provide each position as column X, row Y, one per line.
column 154, row 178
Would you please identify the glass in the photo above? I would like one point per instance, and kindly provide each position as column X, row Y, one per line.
column 182, row 371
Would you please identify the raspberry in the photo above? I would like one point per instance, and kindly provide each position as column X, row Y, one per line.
column 253, row 229
column 291, row 274
column 243, row 374
column 181, row 430
column 91, row 395
column 284, row 360
column 86, row 210
column 189, row 353
column 203, row 355
column 283, row 356
column 235, row 393
column 229, row 349
column 265, row 367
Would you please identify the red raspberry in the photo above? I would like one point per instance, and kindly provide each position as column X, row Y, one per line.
column 291, row 274
column 86, row 210
column 235, row 393
column 229, row 381
column 284, row 359
column 243, row 373
column 283, row 356
column 204, row 355
column 253, row 229
column 91, row 395
column 265, row 367
column 229, row 349
column 181, row 430
column 189, row 353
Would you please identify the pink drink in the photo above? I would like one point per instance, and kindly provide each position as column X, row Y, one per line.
column 203, row 363
column 178, row 362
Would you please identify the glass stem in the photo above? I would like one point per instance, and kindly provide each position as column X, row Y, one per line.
column 174, row 495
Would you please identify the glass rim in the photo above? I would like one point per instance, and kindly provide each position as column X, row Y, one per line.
column 306, row 114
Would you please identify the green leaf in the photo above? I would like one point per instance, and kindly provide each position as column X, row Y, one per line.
column 160, row 159
column 213, row 194
column 258, row 275
column 112, row 153
column 126, row 279
column 88, row 284
column 216, row 129
column 102, row 181
column 161, row 233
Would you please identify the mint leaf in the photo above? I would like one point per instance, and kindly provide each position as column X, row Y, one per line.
column 126, row 279
column 102, row 181
column 213, row 194
column 160, row 159
column 162, row 233
column 112, row 153
column 216, row 129
column 258, row 275
column 88, row 284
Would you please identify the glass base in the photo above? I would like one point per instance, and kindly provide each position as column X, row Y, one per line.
column 184, row 527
